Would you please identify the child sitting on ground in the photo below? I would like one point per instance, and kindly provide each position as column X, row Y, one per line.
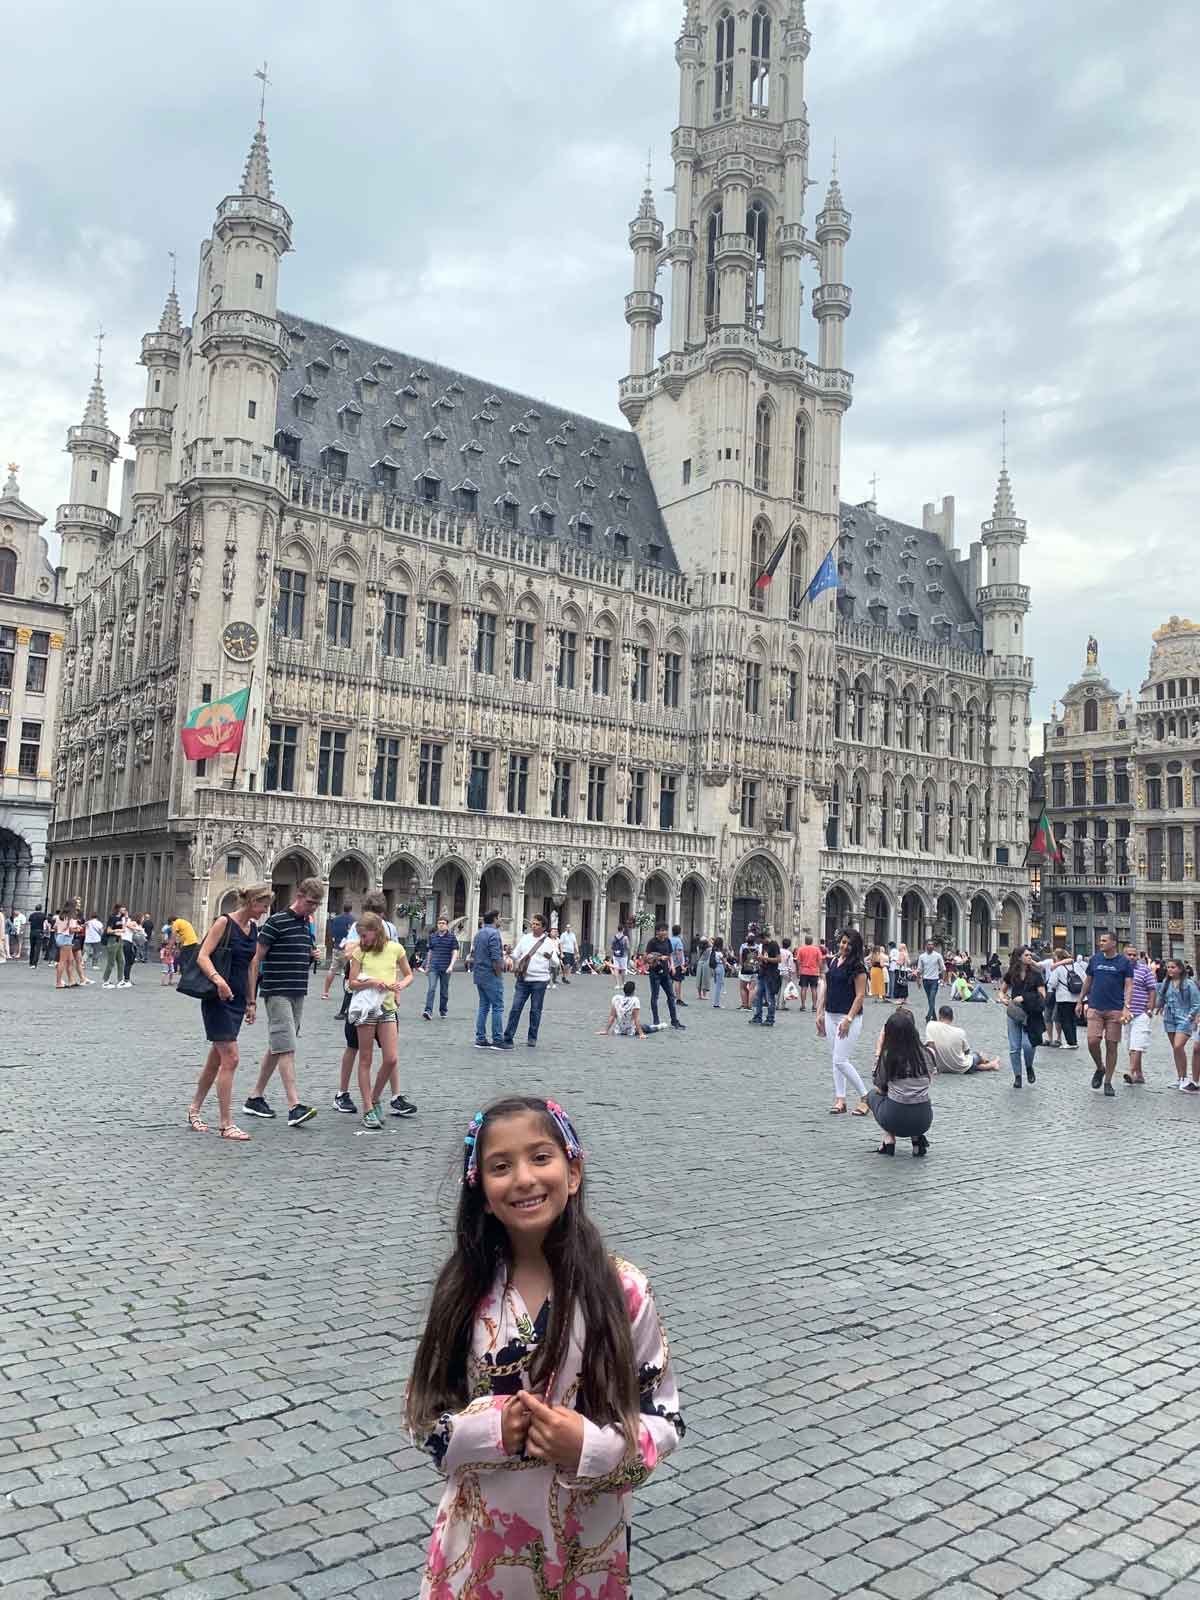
column 625, row 1014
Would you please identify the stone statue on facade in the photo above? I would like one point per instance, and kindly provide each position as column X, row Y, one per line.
column 1093, row 651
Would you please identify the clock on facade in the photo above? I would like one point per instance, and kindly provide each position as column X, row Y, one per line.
column 240, row 640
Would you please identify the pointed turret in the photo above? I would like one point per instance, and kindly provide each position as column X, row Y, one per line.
column 643, row 308
column 1003, row 599
column 256, row 179
column 1002, row 506
column 831, row 301
column 85, row 525
column 171, row 322
column 150, row 424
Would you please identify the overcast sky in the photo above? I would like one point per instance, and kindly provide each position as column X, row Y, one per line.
column 1022, row 177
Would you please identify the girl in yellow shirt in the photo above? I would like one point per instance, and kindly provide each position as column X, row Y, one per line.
column 378, row 967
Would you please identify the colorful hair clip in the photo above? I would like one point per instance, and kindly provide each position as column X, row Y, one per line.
column 471, row 1170
column 567, row 1128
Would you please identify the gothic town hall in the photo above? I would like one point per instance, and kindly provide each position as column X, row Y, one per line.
column 500, row 654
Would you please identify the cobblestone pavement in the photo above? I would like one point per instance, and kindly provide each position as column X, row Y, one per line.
column 970, row 1376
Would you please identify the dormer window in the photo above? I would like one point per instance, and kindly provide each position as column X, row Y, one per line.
column 485, row 418
column 934, row 591
column 340, row 351
column 287, row 444
column 508, row 463
column 587, row 490
column 907, row 618
column 492, row 402
column 878, row 611
column 435, row 437
column 558, row 443
column 383, row 364
column 621, row 499
column 873, row 573
column 419, row 375
column 297, row 336
column 506, row 509
column 443, row 403
column 905, row 584
column 468, row 495
column 368, row 387
column 590, row 454
column 568, row 426
column 349, row 417
column 545, row 519
column 396, row 429
column 429, row 487
column 941, row 624
column 305, row 402
column 333, row 460
column 933, row 565
column 318, row 368
column 385, row 470
column 845, row 604
column 548, row 478
column 620, row 540
column 533, row 416
column 519, row 429
column 455, row 388
column 471, row 448
column 654, row 551
column 583, row 525
column 628, row 472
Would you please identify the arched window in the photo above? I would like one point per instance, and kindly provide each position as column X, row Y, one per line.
column 797, row 584
column 906, row 730
column 800, row 467
column 1091, row 716
column 952, row 824
column 955, row 724
column 926, row 822
column 885, row 817
column 8, row 571
column 858, row 728
column 969, row 841
column 972, row 730
column 762, row 447
column 712, row 304
column 839, row 710
column 906, row 819
column 856, row 815
column 887, row 717
column 723, row 71
column 760, row 59
column 834, row 817
column 756, row 227
column 759, row 535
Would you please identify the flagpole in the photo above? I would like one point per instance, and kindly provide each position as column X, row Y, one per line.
column 237, row 760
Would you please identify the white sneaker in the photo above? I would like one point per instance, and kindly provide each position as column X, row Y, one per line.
column 1182, row 1084
column 124, row 984
column 108, row 984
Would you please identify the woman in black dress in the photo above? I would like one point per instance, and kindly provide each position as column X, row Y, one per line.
column 1024, row 988
column 223, row 1012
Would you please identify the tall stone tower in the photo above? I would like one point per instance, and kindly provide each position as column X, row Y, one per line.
column 85, row 526
column 1003, row 602
column 228, row 499
column 741, row 430
column 150, row 425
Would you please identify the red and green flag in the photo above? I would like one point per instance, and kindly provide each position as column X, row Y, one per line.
column 215, row 727
column 1044, row 843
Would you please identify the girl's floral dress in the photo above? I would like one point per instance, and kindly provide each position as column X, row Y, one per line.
column 511, row 1528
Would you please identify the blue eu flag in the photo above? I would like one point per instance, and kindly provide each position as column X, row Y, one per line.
column 826, row 578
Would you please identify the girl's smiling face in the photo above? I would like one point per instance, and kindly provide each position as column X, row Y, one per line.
column 526, row 1176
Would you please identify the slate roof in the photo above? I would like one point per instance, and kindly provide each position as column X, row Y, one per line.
column 904, row 579
column 398, row 418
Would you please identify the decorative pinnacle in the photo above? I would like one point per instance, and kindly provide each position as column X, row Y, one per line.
column 12, row 490
column 171, row 321
column 646, row 209
column 256, row 180
column 833, row 195
column 1003, row 506
column 96, row 411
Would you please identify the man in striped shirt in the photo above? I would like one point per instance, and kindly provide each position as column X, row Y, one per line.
column 1141, row 1006
column 280, row 969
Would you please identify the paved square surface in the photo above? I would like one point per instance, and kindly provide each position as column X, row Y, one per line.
column 971, row 1376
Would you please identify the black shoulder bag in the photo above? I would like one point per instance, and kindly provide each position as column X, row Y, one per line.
column 198, row 985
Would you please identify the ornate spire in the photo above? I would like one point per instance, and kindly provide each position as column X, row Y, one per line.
column 256, row 180
column 1003, row 507
column 646, row 209
column 833, row 195
column 96, row 411
column 170, row 321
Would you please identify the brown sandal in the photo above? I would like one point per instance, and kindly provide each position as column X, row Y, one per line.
column 838, row 1111
column 862, row 1109
column 195, row 1121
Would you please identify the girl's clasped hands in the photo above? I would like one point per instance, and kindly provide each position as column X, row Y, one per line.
column 549, row 1433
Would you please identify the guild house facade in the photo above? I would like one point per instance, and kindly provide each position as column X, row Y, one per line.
column 1123, row 794
column 502, row 654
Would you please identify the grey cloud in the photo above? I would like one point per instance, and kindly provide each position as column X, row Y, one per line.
column 461, row 177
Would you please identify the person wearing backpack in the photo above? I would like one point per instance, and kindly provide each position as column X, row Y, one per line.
column 1063, row 988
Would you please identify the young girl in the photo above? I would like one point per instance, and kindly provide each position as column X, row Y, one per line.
column 378, row 964
column 1179, row 1003
column 900, row 1100
column 65, row 925
column 542, row 1385
column 840, row 998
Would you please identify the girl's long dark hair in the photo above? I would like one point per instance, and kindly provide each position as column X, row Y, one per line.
column 1015, row 977
column 854, row 953
column 583, row 1276
column 903, row 1055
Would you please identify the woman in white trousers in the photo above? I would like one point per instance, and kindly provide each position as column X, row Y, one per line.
column 839, row 1017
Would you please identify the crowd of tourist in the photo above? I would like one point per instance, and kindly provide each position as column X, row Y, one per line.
column 251, row 954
